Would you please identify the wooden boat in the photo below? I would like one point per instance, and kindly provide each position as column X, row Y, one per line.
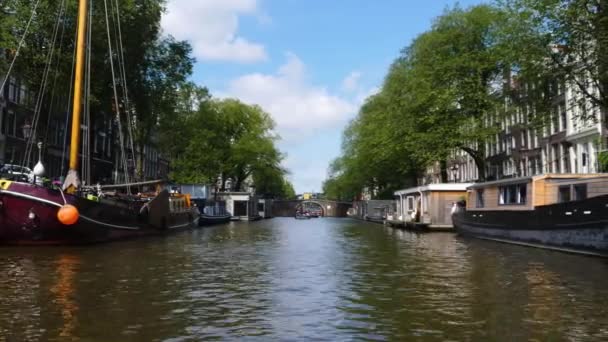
column 565, row 212
column 31, row 213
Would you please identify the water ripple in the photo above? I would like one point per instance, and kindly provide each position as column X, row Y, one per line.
column 282, row 279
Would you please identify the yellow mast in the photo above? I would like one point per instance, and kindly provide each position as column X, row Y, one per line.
column 72, row 181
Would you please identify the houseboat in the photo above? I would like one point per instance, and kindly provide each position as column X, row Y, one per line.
column 558, row 211
column 427, row 207
column 372, row 210
column 242, row 205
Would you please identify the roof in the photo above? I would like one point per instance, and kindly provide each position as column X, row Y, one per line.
column 564, row 177
column 435, row 187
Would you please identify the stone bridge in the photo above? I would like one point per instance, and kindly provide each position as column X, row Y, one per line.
column 287, row 208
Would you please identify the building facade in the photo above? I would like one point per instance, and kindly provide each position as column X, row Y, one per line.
column 569, row 140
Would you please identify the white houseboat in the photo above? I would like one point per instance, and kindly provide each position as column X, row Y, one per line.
column 427, row 207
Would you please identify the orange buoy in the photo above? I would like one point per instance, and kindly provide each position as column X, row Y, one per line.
column 68, row 214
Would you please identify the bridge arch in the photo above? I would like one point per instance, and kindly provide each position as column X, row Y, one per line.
column 310, row 206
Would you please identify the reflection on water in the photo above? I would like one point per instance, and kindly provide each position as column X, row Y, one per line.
column 63, row 291
column 319, row 279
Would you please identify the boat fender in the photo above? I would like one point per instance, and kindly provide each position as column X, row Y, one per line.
column 4, row 184
column 92, row 198
column 68, row 214
column 188, row 200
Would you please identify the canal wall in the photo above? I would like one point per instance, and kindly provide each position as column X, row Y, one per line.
column 287, row 208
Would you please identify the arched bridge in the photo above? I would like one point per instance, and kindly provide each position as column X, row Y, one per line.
column 287, row 208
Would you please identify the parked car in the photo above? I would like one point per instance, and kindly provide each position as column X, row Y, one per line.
column 17, row 172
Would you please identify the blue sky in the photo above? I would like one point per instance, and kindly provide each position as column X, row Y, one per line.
column 309, row 63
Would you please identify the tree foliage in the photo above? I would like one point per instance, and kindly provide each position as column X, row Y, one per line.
column 231, row 140
column 450, row 87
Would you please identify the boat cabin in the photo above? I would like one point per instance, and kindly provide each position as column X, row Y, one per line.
column 428, row 207
column 372, row 210
column 242, row 205
column 526, row 193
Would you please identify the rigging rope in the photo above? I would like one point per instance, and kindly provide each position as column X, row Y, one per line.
column 86, row 137
column 52, row 102
column 120, row 133
column 42, row 90
column 123, row 76
column 27, row 27
column 64, row 149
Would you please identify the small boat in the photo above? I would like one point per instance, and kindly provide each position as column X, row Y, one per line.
column 302, row 216
column 214, row 213
column 564, row 212
column 208, row 220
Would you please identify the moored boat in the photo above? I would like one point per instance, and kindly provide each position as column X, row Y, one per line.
column 29, row 215
column 558, row 211
column 37, row 212
column 427, row 207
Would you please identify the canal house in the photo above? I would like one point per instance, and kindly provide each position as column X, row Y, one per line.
column 427, row 207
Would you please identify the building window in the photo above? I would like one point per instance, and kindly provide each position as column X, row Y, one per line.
column 580, row 192
column 11, row 124
column 563, row 194
column 566, row 159
column 479, row 201
column 512, row 194
column 555, row 122
column 410, row 204
column 585, row 157
column 13, row 90
column 563, row 116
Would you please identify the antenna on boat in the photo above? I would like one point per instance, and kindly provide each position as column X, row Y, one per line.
column 72, row 180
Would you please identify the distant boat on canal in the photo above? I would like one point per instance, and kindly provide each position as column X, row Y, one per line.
column 212, row 207
column 567, row 212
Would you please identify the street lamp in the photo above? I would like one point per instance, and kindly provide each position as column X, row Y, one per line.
column 454, row 169
column 27, row 130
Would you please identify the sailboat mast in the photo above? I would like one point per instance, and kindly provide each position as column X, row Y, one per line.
column 78, row 84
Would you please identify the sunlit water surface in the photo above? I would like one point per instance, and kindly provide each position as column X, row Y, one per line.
column 286, row 279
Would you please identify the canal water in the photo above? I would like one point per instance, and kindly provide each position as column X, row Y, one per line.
column 314, row 280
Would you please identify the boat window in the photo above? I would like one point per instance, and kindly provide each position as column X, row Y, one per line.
column 410, row 203
column 580, row 192
column 479, row 198
column 513, row 194
column 564, row 194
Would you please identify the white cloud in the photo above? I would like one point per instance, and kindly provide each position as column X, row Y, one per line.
column 297, row 106
column 211, row 26
column 351, row 82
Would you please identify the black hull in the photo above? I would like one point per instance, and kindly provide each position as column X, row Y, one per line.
column 208, row 220
column 577, row 226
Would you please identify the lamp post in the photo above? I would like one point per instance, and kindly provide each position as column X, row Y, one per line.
column 454, row 169
column 26, row 129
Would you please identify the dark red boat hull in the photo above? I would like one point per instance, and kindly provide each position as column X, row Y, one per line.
column 28, row 216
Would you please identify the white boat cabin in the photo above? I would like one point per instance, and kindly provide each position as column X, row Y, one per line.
column 242, row 205
column 526, row 193
column 428, row 206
